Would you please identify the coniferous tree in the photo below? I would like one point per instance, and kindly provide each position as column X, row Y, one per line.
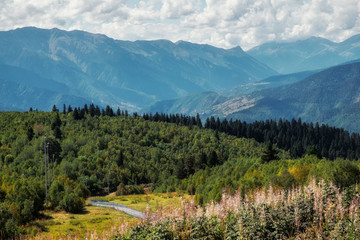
column 213, row 159
column 75, row 114
column 69, row 109
column 30, row 133
column 57, row 132
column 97, row 111
column 86, row 109
column 269, row 154
column 56, row 122
column 81, row 113
column 92, row 110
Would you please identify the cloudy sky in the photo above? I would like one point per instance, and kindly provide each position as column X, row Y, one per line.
column 222, row 23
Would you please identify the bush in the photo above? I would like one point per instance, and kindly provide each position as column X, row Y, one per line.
column 72, row 203
column 127, row 190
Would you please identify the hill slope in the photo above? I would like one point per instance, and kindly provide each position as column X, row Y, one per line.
column 331, row 96
column 223, row 103
column 21, row 89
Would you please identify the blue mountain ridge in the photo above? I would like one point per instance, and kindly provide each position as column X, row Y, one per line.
column 310, row 54
column 122, row 73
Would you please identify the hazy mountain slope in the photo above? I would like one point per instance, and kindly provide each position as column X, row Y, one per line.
column 331, row 96
column 123, row 73
column 190, row 105
column 310, row 54
column 21, row 89
column 270, row 82
column 20, row 97
column 222, row 104
column 30, row 79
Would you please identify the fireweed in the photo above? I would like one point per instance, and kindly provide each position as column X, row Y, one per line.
column 318, row 210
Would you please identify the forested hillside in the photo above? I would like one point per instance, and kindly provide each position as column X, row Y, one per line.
column 96, row 155
column 296, row 136
column 94, row 152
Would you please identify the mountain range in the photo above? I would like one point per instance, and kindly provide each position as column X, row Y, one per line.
column 315, row 79
column 310, row 54
column 331, row 96
column 117, row 73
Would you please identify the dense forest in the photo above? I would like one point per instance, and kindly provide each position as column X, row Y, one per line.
column 296, row 136
column 93, row 151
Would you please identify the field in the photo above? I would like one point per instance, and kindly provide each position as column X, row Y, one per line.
column 96, row 220
column 155, row 201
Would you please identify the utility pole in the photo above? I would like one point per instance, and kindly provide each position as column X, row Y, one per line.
column 46, row 193
column 47, row 165
column 53, row 166
column 108, row 178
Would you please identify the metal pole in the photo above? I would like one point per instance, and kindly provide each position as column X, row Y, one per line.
column 108, row 178
column 47, row 165
column 45, row 171
column 53, row 165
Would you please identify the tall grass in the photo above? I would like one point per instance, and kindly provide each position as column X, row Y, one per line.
column 318, row 210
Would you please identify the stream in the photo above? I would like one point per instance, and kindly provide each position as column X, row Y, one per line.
column 119, row 207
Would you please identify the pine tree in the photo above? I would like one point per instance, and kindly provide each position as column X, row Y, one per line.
column 57, row 132
column 76, row 114
column 92, row 110
column 69, row 109
column 269, row 154
column 198, row 121
column 30, row 133
column 86, row 109
column 213, row 159
column 56, row 122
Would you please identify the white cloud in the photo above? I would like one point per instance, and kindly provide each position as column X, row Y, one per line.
column 223, row 23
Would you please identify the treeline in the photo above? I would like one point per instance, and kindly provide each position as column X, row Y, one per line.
column 296, row 136
column 78, row 113
column 174, row 118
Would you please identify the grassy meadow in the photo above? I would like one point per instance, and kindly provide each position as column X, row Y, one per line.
column 98, row 222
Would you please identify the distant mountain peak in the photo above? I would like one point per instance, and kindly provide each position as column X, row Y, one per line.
column 128, row 74
column 308, row 54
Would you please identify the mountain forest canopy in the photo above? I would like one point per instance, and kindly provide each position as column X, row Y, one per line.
column 94, row 151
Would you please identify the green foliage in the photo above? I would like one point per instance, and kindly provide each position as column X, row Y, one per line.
column 269, row 154
column 96, row 154
column 127, row 190
column 296, row 136
column 7, row 222
column 68, row 195
column 71, row 202
column 316, row 210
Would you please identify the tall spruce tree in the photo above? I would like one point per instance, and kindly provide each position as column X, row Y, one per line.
column 269, row 154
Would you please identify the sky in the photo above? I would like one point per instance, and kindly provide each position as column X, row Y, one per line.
column 221, row 23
